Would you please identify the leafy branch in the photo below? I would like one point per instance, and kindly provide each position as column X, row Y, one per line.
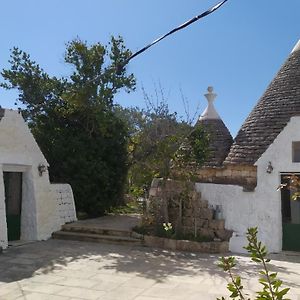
column 271, row 284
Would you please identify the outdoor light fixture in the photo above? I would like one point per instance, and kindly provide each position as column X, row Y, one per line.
column 270, row 168
column 42, row 169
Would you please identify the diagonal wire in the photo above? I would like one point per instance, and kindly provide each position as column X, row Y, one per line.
column 182, row 26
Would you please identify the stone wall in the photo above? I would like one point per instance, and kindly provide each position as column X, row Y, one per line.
column 180, row 204
column 65, row 203
column 241, row 175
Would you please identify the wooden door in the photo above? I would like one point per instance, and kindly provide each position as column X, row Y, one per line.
column 13, row 203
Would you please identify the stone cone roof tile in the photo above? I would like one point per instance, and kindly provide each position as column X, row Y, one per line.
column 220, row 141
column 271, row 114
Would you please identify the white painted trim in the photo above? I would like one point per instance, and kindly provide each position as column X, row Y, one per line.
column 15, row 168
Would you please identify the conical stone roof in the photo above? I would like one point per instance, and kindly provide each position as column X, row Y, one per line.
column 271, row 114
column 220, row 139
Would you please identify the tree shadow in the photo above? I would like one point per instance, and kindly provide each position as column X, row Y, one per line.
column 51, row 256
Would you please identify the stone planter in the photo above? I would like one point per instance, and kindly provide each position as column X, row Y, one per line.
column 185, row 245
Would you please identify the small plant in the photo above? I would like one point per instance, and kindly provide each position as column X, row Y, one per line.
column 271, row 284
column 167, row 226
column 168, row 229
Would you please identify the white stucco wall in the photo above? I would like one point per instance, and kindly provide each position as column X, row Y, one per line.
column 262, row 207
column 19, row 152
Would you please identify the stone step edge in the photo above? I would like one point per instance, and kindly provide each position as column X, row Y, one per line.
column 96, row 230
column 212, row 247
column 93, row 237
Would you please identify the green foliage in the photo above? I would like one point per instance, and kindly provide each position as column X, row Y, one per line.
column 193, row 152
column 293, row 184
column 271, row 285
column 155, row 135
column 74, row 119
column 133, row 207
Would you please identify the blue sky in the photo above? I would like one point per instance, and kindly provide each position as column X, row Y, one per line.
column 238, row 49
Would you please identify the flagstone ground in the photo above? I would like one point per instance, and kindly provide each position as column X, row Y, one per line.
column 69, row 270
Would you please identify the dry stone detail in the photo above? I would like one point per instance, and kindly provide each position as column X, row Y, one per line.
column 179, row 203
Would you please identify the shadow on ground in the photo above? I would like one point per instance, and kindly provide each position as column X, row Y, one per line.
column 51, row 256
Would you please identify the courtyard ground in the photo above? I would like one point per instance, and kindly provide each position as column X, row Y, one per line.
column 65, row 270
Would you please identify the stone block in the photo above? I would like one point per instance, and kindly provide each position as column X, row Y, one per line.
column 188, row 212
column 137, row 235
column 219, row 174
column 170, row 244
column 223, row 234
column 153, row 241
column 217, row 224
column 202, row 223
column 153, row 192
column 245, row 173
column 173, row 185
column 206, row 213
column 183, row 245
column 188, row 221
column 227, row 173
column 236, row 173
column 188, row 229
column 218, row 247
column 206, row 232
column 187, row 204
column 195, row 196
column 156, row 182
column 203, row 203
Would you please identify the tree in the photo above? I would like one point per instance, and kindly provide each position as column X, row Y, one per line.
column 73, row 119
column 155, row 136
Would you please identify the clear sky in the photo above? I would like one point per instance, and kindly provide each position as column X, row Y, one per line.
column 238, row 49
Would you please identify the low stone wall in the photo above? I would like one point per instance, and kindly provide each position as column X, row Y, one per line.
column 241, row 175
column 184, row 245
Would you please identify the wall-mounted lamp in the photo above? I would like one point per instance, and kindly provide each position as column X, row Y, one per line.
column 42, row 169
column 270, row 168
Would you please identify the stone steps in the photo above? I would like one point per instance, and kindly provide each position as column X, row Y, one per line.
column 101, row 230
column 98, row 238
column 90, row 229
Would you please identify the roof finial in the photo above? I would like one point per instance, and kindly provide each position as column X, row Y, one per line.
column 210, row 111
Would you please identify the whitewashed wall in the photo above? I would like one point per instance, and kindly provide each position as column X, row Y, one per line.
column 262, row 207
column 19, row 152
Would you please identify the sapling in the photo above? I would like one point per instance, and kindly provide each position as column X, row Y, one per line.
column 271, row 285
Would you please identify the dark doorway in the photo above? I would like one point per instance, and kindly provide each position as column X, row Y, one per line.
column 290, row 210
column 13, row 203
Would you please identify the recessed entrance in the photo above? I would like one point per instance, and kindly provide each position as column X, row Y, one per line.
column 13, row 203
column 290, row 210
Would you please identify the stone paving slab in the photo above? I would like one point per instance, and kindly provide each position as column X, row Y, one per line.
column 70, row 270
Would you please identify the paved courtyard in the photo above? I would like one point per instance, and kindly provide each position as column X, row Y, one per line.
column 65, row 270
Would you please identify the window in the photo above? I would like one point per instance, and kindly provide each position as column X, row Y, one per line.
column 296, row 151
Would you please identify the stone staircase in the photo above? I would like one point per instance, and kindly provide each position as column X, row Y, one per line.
column 102, row 230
